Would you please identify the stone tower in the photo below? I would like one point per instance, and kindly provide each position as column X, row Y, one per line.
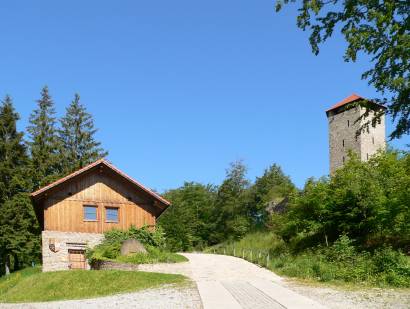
column 342, row 132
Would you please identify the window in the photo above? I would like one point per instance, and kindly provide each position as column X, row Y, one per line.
column 348, row 123
column 373, row 140
column 343, row 142
column 367, row 156
column 90, row 213
column 343, row 159
column 111, row 214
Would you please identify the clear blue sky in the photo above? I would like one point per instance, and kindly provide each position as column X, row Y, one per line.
column 179, row 89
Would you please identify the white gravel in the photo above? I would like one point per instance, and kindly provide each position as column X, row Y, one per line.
column 229, row 282
column 339, row 298
column 168, row 297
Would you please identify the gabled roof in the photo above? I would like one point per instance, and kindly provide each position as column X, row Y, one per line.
column 350, row 99
column 101, row 162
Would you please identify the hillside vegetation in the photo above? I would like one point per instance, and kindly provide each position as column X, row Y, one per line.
column 340, row 262
column 153, row 241
column 352, row 227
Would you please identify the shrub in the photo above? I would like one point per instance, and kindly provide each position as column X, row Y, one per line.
column 153, row 241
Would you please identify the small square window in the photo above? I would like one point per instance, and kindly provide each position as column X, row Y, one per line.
column 90, row 213
column 111, row 214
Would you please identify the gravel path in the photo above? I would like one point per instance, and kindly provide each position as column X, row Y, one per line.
column 232, row 283
column 162, row 298
column 337, row 298
column 241, row 281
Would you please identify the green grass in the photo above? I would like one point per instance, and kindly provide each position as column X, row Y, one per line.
column 32, row 285
column 154, row 256
column 111, row 252
column 338, row 264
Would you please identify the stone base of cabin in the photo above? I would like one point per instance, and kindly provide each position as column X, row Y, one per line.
column 65, row 250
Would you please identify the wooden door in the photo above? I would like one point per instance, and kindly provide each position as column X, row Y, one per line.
column 76, row 259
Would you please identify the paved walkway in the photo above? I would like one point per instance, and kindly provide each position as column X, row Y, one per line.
column 233, row 283
column 223, row 282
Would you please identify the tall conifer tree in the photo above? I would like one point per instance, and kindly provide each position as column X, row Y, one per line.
column 77, row 136
column 18, row 226
column 44, row 143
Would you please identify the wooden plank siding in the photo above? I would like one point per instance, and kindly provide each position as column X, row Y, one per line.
column 63, row 207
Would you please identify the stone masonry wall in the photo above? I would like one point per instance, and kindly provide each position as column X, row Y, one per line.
column 62, row 242
column 342, row 137
column 109, row 265
column 372, row 141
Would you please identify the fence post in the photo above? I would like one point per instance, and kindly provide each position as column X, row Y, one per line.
column 224, row 251
column 234, row 253
column 267, row 261
column 251, row 256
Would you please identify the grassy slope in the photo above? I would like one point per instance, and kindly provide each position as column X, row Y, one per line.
column 160, row 257
column 309, row 265
column 31, row 285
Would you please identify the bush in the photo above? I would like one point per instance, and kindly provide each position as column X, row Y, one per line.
column 153, row 241
column 340, row 262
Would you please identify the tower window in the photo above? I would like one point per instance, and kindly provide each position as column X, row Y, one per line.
column 373, row 140
column 343, row 159
column 348, row 123
column 343, row 142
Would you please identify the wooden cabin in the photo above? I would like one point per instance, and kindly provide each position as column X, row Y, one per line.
column 76, row 210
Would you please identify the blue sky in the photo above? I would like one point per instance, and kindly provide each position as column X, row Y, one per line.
column 179, row 89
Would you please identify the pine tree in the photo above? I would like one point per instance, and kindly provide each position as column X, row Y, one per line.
column 18, row 225
column 77, row 137
column 44, row 142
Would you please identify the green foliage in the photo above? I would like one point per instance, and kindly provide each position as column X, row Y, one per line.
column 19, row 241
column 44, row 144
column 79, row 146
column 32, row 285
column 155, row 255
column 187, row 223
column 145, row 235
column 273, row 186
column 379, row 29
column 229, row 213
column 367, row 201
column 205, row 215
column 154, row 242
column 340, row 262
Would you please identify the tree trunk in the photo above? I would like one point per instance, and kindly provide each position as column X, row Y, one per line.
column 327, row 243
column 16, row 263
column 7, row 265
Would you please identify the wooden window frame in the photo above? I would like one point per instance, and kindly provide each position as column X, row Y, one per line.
column 118, row 214
column 96, row 213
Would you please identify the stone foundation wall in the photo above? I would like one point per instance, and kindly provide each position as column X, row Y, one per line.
column 55, row 246
column 109, row 265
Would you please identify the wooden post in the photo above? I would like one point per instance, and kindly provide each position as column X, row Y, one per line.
column 234, row 253
column 251, row 256
column 267, row 261
column 224, row 251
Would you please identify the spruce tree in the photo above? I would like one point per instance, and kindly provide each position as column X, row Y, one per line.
column 44, row 143
column 77, row 136
column 18, row 225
